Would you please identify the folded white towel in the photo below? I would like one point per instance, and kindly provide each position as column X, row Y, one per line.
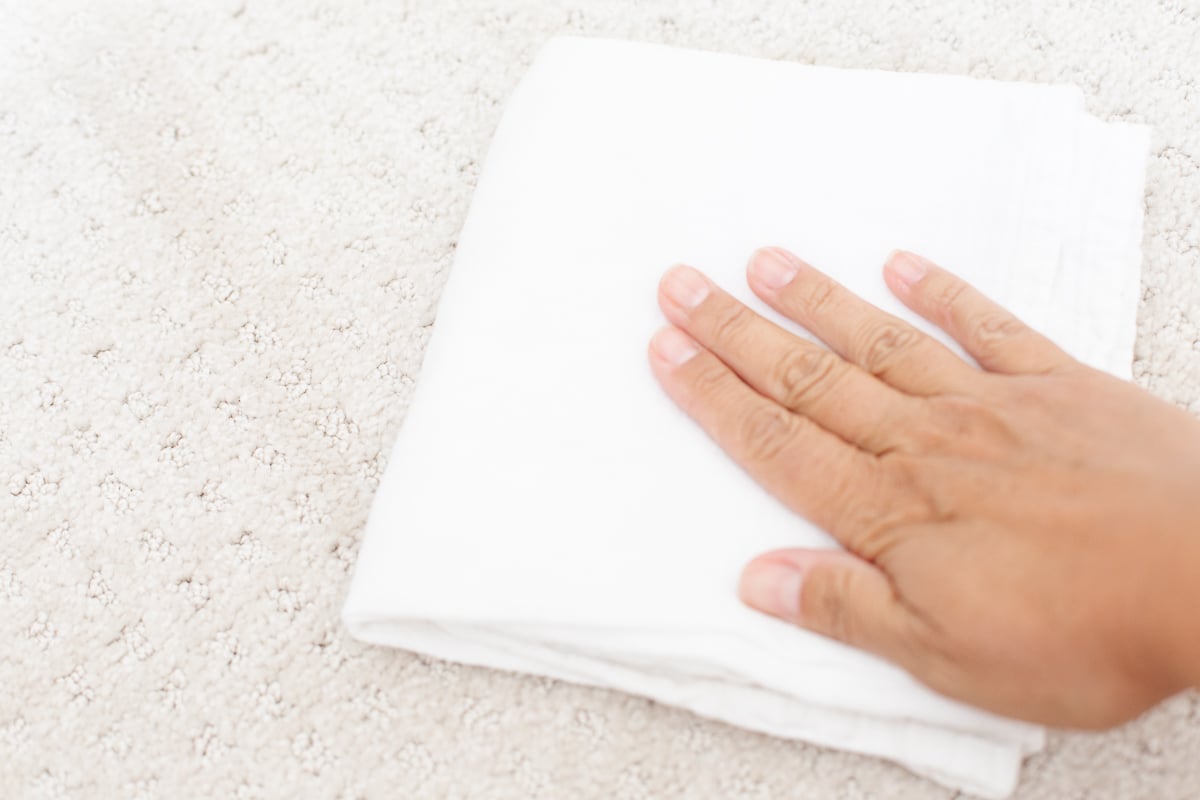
column 547, row 509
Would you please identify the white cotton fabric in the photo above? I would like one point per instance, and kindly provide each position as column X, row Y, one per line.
column 546, row 508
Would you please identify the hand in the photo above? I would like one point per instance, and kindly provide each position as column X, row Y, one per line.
column 1023, row 536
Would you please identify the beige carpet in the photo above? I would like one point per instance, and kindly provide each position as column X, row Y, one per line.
column 223, row 230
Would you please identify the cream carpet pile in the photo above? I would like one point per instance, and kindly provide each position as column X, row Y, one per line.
column 223, row 232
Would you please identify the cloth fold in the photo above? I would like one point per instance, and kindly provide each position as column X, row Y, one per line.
column 546, row 509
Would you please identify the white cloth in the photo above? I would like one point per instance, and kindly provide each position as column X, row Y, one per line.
column 547, row 509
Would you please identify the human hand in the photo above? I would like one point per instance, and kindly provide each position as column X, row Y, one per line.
column 1024, row 536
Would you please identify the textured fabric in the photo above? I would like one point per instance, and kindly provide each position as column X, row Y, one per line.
column 224, row 230
column 605, row 533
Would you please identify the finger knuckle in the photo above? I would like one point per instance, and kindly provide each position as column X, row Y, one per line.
column 874, row 514
column 825, row 602
column 993, row 331
column 820, row 298
column 968, row 426
column 870, row 530
column 765, row 431
column 908, row 477
column 882, row 343
column 709, row 382
column 802, row 374
column 947, row 298
column 730, row 323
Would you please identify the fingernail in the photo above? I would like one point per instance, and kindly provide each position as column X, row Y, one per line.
column 773, row 587
column 773, row 268
column 674, row 346
column 684, row 286
column 907, row 267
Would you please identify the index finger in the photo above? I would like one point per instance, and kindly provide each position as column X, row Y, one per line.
column 813, row 472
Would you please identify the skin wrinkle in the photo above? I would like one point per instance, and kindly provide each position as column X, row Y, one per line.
column 882, row 344
column 708, row 382
column 869, row 529
column 736, row 336
column 943, row 306
column 988, row 529
column 879, row 431
column 730, row 324
column 806, row 375
column 994, row 330
column 821, row 297
column 766, row 431
column 927, row 369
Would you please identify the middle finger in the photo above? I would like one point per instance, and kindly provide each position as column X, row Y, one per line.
column 882, row 345
column 797, row 374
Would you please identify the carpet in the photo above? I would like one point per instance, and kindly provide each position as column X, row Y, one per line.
column 224, row 227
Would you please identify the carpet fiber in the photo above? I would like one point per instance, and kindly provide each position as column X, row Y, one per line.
column 223, row 231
